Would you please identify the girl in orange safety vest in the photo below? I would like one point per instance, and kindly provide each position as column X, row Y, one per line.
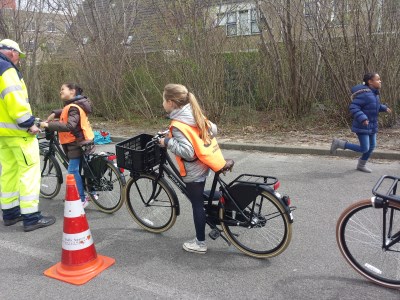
column 74, row 129
column 192, row 140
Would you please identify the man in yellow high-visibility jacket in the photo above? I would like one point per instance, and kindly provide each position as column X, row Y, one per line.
column 19, row 149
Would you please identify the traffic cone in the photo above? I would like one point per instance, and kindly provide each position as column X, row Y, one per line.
column 79, row 260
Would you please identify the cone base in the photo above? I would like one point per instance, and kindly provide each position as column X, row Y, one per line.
column 79, row 274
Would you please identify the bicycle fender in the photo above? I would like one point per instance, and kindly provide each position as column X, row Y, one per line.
column 121, row 175
column 271, row 191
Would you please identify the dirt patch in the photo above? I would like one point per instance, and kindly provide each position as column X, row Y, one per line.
column 387, row 139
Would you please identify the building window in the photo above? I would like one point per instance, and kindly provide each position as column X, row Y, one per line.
column 231, row 24
column 51, row 27
column 244, row 22
column 221, row 19
column 241, row 22
column 340, row 12
column 31, row 25
column 254, row 22
column 311, row 8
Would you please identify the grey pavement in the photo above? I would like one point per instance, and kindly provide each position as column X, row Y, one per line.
column 154, row 266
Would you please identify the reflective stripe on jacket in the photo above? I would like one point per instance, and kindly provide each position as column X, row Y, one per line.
column 210, row 155
column 14, row 104
column 68, row 137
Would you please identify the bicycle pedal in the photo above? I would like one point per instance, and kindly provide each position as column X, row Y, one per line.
column 214, row 234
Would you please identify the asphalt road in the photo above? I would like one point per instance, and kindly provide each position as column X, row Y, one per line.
column 150, row 266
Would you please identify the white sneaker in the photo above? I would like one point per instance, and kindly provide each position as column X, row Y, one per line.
column 86, row 202
column 195, row 246
column 94, row 195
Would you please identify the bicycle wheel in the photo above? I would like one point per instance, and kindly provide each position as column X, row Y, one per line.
column 359, row 234
column 50, row 184
column 270, row 233
column 107, row 192
column 155, row 212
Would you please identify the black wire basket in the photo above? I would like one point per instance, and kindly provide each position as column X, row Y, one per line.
column 139, row 153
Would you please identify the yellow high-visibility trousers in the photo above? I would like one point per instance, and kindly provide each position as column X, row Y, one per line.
column 20, row 173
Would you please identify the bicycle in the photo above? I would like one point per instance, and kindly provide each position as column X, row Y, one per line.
column 247, row 212
column 102, row 180
column 368, row 234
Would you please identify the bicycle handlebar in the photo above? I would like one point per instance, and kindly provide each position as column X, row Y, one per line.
column 393, row 186
column 37, row 122
column 156, row 138
column 228, row 166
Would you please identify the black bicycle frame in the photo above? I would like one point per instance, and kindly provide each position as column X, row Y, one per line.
column 394, row 239
column 389, row 196
column 168, row 167
column 55, row 149
column 58, row 151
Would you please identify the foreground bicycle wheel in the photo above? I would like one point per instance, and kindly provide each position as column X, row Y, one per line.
column 359, row 234
column 107, row 192
column 155, row 212
column 50, row 184
column 269, row 236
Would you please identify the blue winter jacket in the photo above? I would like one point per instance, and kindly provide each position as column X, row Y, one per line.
column 365, row 106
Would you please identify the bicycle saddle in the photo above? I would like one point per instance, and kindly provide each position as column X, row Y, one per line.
column 228, row 165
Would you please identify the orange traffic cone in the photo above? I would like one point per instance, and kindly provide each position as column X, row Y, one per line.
column 79, row 260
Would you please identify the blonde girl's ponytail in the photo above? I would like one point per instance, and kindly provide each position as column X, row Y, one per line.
column 202, row 123
column 179, row 94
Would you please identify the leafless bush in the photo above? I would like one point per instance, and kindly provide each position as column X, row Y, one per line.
column 304, row 59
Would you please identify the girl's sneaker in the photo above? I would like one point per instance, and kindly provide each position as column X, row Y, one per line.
column 195, row 246
column 86, row 202
column 94, row 195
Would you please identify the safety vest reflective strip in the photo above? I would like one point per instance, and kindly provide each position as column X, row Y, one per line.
column 10, row 204
column 6, row 197
column 24, row 118
column 26, row 198
column 29, row 198
column 10, row 89
column 9, row 195
column 210, row 155
column 14, row 108
column 28, row 210
column 68, row 137
column 11, row 126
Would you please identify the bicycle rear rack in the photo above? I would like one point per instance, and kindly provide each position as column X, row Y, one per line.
column 254, row 179
column 389, row 184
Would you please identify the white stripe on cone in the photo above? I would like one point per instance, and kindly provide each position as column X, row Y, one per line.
column 77, row 241
column 73, row 209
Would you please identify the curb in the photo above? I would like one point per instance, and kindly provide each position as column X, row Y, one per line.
column 287, row 149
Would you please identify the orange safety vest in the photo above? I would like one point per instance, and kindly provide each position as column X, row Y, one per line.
column 68, row 137
column 210, row 155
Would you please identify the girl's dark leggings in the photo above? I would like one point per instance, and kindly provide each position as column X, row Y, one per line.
column 195, row 195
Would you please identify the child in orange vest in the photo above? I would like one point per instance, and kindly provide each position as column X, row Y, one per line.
column 190, row 132
column 74, row 129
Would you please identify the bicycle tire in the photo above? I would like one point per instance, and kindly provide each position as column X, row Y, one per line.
column 160, row 214
column 51, row 173
column 359, row 235
column 104, row 192
column 270, row 237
